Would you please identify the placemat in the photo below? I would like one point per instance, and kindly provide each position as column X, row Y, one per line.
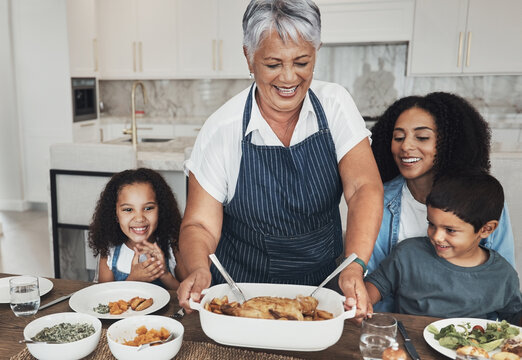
column 190, row 350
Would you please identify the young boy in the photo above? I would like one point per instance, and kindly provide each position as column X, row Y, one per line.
column 448, row 274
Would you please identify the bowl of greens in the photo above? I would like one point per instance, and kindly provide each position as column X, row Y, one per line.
column 67, row 336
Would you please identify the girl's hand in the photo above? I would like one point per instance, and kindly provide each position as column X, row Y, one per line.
column 153, row 251
column 147, row 271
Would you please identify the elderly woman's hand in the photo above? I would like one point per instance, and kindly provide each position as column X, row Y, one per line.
column 192, row 286
column 352, row 284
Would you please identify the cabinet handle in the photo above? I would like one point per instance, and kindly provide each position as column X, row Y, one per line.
column 214, row 54
column 460, row 50
column 140, row 44
column 468, row 52
column 95, row 53
column 220, row 55
column 134, row 56
column 88, row 124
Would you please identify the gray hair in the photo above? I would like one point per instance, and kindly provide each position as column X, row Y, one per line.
column 291, row 19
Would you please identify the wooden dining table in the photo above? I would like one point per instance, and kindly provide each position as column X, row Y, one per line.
column 11, row 328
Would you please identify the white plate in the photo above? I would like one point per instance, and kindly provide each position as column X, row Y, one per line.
column 45, row 287
column 84, row 300
column 430, row 338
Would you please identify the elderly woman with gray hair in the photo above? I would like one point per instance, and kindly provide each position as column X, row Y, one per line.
column 269, row 167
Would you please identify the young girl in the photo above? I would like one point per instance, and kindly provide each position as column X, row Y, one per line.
column 135, row 228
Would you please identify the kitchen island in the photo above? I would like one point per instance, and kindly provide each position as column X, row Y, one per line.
column 346, row 348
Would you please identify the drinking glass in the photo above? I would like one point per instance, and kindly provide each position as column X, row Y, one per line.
column 24, row 295
column 377, row 334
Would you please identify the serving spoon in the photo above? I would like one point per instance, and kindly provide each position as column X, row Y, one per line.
column 143, row 346
column 340, row 268
column 235, row 289
column 30, row 341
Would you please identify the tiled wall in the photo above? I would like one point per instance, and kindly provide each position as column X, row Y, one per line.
column 375, row 75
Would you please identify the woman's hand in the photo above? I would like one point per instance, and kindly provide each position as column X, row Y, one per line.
column 352, row 284
column 192, row 286
column 147, row 271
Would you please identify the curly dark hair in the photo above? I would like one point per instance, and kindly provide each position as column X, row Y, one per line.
column 105, row 231
column 463, row 136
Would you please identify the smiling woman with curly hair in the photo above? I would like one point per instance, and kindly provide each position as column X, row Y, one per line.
column 135, row 229
column 416, row 141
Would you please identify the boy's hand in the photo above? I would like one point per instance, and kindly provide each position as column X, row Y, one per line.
column 147, row 271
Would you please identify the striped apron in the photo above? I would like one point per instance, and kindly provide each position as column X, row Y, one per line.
column 283, row 223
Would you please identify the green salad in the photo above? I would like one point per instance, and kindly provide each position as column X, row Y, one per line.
column 489, row 339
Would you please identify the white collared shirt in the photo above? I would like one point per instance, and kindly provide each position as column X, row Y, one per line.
column 216, row 156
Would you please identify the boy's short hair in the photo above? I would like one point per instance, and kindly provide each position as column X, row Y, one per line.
column 474, row 196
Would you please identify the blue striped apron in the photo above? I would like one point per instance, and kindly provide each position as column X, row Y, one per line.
column 121, row 276
column 283, row 223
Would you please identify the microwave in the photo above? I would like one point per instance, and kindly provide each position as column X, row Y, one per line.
column 84, row 99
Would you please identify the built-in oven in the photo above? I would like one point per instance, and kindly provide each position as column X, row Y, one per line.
column 84, row 99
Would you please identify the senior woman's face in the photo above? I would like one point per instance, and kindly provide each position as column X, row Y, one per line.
column 283, row 72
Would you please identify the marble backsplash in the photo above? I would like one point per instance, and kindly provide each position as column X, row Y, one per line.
column 375, row 75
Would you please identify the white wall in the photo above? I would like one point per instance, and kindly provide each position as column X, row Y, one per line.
column 43, row 88
column 11, row 186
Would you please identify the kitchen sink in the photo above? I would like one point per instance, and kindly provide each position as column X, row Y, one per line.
column 150, row 140
column 155, row 139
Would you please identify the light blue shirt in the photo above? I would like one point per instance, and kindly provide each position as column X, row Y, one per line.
column 501, row 240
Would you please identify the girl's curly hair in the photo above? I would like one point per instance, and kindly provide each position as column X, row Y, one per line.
column 463, row 136
column 105, row 231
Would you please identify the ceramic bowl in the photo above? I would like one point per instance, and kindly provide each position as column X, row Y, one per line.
column 66, row 351
column 125, row 330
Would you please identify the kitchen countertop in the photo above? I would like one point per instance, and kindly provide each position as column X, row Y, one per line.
column 168, row 155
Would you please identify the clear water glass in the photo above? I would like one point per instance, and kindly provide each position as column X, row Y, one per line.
column 377, row 334
column 24, row 295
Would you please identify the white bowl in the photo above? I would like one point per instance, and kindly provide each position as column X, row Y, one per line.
column 66, row 351
column 125, row 330
column 274, row 334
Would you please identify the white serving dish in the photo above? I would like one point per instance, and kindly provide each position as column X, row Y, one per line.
column 66, row 351
column 274, row 334
column 125, row 330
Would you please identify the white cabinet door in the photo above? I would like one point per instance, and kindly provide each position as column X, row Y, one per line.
column 232, row 62
column 81, row 31
column 495, row 37
column 197, row 38
column 210, row 39
column 157, row 43
column 87, row 131
column 117, row 38
column 344, row 21
column 437, row 46
column 466, row 37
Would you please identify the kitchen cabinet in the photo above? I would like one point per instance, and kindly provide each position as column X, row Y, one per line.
column 210, row 39
column 370, row 21
column 87, row 131
column 466, row 37
column 137, row 39
column 82, row 38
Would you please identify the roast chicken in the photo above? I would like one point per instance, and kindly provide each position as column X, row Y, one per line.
column 267, row 307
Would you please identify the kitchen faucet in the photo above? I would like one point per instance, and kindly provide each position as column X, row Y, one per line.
column 133, row 131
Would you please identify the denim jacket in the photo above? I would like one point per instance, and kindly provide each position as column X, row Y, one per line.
column 500, row 240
